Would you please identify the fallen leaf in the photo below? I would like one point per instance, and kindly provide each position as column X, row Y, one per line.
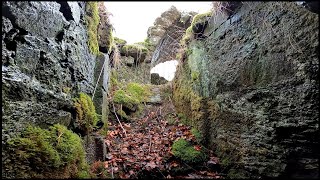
column 197, row 147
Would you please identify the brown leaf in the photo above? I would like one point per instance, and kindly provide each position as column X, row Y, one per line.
column 151, row 164
column 197, row 147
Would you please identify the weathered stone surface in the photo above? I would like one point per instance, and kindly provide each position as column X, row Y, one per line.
column 104, row 29
column 45, row 63
column 156, row 79
column 138, row 52
column 167, row 19
column 168, row 37
column 129, row 61
column 101, row 76
column 252, row 88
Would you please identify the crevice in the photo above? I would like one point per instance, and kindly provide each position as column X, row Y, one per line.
column 60, row 36
column 65, row 10
column 10, row 45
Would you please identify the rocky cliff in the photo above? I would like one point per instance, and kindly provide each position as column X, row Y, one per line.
column 250, row 84
column 46, row 62
column 166, row 33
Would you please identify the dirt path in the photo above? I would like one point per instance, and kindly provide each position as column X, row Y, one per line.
column 144, row 150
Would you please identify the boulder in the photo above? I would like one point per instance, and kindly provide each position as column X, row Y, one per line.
column 167, row 19
column 157, row 80
column 137, row 51
column 128, row 60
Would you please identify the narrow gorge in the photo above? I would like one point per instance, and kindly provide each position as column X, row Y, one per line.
column 240, row 102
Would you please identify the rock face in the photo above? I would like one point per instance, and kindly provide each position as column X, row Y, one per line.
column 104, row 29
column 251, row 87
column 166, row 34
column 167, row 19
column 45, row 63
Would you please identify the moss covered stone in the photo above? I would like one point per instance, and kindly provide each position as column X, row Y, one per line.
column 201, row 18
column 86, row 116
column 92, row 20
column 137, row 51
column 40, row 153
column 119, row 41
column 186, row 152
column 127, row 100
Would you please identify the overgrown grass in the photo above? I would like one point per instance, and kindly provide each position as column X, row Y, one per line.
column 92, row 20
column 38, row 152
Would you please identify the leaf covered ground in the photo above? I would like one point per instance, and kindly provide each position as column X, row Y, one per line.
column 144, row 150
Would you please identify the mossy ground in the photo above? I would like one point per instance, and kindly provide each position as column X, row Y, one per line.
column 41, row 153
column 127, row 97
column 186, row 152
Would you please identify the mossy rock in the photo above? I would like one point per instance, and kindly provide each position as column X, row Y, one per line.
column 127, row 100
column 92, row 20
column 86, row 116
column 132, row 95
column 186, row 152
column 41, row 153
column 137, row 51
column 119, row 42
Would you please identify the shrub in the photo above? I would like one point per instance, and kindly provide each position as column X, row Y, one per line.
column 37, row 152
column 86, row 115
column 92, row 20
column 186, row 152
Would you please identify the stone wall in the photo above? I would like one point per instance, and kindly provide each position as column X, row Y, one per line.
column 252, row 88
column 45, row 63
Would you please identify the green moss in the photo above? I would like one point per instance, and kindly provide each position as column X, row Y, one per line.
column 119, row 41
column 186, row 152
column 86, row 115
column 132, row 95
column 147, row 44
column 187, row 37
column 111, row 42
column 197, row 134
column 195, row 76
column 141, row 92
column 137, row 48
column 122, row 114
column 38, row 152
column 201, row 18
column 84, row 175
column 92, row 20
column 121, row 97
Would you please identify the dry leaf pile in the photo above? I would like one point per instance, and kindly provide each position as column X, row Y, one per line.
column 146, row 149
